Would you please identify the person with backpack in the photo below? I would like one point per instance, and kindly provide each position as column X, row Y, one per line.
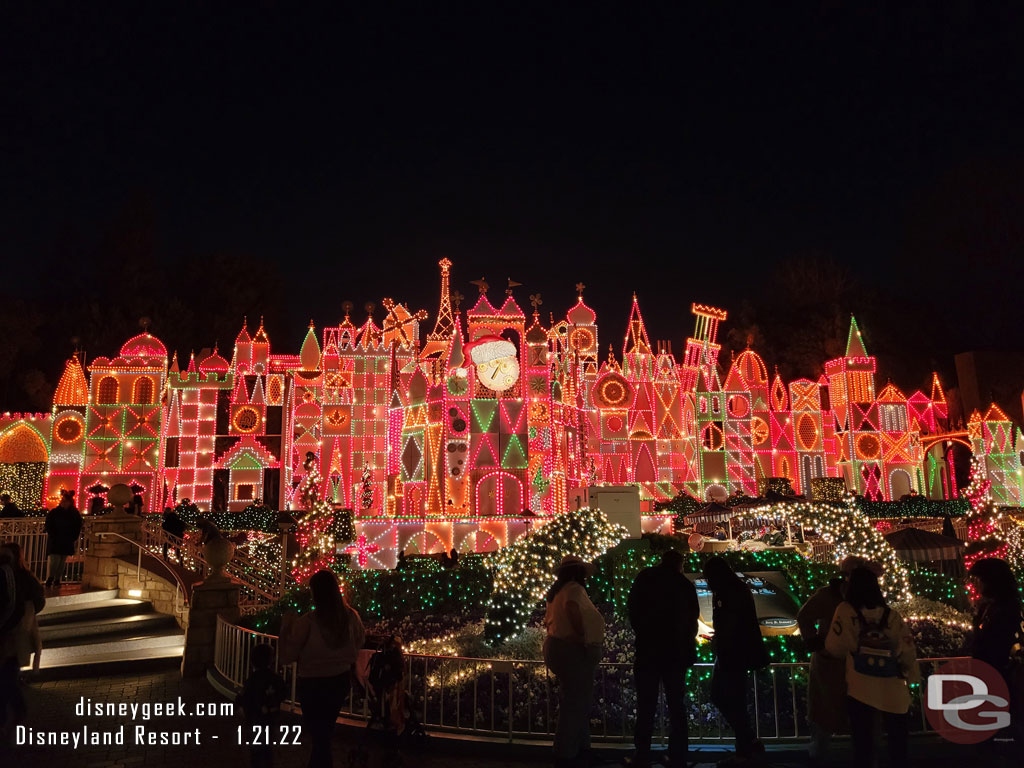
column 826, row 685
column 881, row 664
column 739, row 649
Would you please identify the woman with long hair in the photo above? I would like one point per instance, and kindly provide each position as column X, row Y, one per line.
column 19, row 631
column 572, row 650
column 326, row 643
column 738, row 648
column 881, row 663
column 998, row 631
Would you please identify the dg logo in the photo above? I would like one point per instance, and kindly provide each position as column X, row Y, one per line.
column 967, row 701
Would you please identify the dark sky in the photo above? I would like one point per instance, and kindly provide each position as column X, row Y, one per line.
column 682, row 153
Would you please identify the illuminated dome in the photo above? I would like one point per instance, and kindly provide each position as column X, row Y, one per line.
column 751, row 368
column 143, row 345
column 214, row 364
column 581, row 314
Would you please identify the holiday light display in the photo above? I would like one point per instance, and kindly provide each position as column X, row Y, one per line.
column 488, row 427
column 314, row 534
column 524, row 571
column 849, row 529
column 983, row 526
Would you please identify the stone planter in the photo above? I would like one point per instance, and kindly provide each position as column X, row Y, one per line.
column 218, row 553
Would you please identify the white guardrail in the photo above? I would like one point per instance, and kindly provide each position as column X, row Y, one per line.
column 30, row 534
column 515, row 699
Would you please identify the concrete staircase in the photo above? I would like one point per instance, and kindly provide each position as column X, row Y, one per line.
column 95, row 633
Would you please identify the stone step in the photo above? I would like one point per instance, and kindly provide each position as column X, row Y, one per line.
column 98, row 659
column 92, row 611
column 58, row 602
column 136, row 625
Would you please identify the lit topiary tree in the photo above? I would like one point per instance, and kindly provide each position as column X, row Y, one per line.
column 525, row 571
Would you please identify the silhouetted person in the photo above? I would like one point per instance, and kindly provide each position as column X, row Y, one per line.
column 175, row 526
column 9, row 508
column 572, row 650
column 21, row 598
column 326, row 643
column 663, row 612
column 738, row 648
column 63, row 526
column 260, row 700
column 997, row 627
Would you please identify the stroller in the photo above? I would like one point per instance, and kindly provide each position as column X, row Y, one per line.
column 392, row 721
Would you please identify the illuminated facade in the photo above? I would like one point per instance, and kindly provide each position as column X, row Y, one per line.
column 464, row 437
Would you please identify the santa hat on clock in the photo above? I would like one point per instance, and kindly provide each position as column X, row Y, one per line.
column 488, row 348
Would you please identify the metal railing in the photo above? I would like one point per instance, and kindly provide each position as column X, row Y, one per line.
column 259, row 590
column 180, row 588
column 30, row 534
column 517, row 699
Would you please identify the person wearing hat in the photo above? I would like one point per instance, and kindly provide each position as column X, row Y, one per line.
column 572, row 650
column 826, row 687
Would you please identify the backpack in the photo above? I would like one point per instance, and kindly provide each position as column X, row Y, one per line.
column 875, row 655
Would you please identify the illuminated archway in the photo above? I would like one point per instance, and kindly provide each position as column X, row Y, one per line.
column 499, row 493
column 23, row 464
column 849, row 529
column 107, row 391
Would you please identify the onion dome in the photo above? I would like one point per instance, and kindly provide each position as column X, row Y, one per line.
column 581, row 314
column 214, row 364
column 143, row 345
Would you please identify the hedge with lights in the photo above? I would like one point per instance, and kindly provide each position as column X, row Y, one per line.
column 423, row 585
column 915, row 506
column 524, row 571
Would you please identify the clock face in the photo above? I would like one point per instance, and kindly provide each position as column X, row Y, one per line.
column 582, row 339
column 498, row 375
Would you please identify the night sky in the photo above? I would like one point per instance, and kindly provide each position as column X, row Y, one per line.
column 711, row 154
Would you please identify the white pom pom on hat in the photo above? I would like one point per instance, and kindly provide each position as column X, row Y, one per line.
column 488, row 348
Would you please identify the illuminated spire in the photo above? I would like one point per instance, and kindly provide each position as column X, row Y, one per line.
column 938, row 396
column 445, row 324
column 636, row 335
column 72, row 389
column 309, row 355
column 854, row 342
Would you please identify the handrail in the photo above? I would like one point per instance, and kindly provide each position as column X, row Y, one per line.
column 514, row 698
column 180, row 587
column 266, row 591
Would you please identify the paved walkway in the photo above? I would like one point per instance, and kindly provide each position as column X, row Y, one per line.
column 52, row 708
